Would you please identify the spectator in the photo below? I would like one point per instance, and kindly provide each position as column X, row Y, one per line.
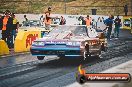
column 80, row 20
column 94, row 24
column 25, row 22
column 7, row 23
column 25, row 17
column 15, row 26
column 0, row 26
column 47, row 20
column 126, row 9
column 41, row 19
column 117, row 26
column 83, row 21
column 109, row 23
column 63, row 21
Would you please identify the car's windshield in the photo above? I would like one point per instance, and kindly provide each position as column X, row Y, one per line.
column 60, row 29
column 75, row 30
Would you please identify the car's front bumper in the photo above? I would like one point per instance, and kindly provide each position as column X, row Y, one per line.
column 67, row 51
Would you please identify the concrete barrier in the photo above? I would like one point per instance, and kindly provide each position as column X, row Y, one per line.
column 3, row 48
column 26, row 36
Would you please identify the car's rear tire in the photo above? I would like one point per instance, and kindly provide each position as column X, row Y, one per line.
column 86, row 54
column 40, row 57
column 103, row 48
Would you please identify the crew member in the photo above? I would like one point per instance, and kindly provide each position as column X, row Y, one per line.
column 47, row 19
column 7, row 23
column 88, row 21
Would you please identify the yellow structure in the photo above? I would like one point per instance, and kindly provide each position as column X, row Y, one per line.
column 25, row 38
column 3, row 48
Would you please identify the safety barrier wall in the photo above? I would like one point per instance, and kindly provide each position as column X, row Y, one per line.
column 3, row 48
column 25, row 38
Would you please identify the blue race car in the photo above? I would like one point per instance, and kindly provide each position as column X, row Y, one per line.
column 76, row 40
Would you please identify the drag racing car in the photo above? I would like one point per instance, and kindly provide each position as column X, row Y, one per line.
column 64, row 41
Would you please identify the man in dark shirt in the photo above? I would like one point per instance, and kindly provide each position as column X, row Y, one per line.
column 117, row 26
column 7, row 23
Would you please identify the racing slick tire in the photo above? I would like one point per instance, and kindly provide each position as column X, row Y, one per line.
column 40, row 57
column 86, row 54
column 103, row 48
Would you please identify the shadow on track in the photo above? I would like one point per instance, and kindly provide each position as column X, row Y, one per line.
column 68, row 62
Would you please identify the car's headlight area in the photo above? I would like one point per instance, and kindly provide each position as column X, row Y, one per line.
column 38, row 43
column 73, row 43
column 34, row 43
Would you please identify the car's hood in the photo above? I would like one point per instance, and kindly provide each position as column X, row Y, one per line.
column 72, row 39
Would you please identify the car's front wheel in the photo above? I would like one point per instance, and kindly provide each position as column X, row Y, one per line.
column 40, row 57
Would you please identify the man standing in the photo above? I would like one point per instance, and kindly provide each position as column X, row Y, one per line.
column 117, row 26
column 109, row 23
column 0, row 26
column 25, row 17
column 47, row 19
column 88, row 21
column 7, row 23
column 14, row 28
column 25, row 22
column 63, row 21
column 126, row 9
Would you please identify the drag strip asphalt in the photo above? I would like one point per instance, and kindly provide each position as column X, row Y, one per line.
column 55, row 72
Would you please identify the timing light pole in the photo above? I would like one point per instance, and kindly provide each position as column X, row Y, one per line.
column 65, row 6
